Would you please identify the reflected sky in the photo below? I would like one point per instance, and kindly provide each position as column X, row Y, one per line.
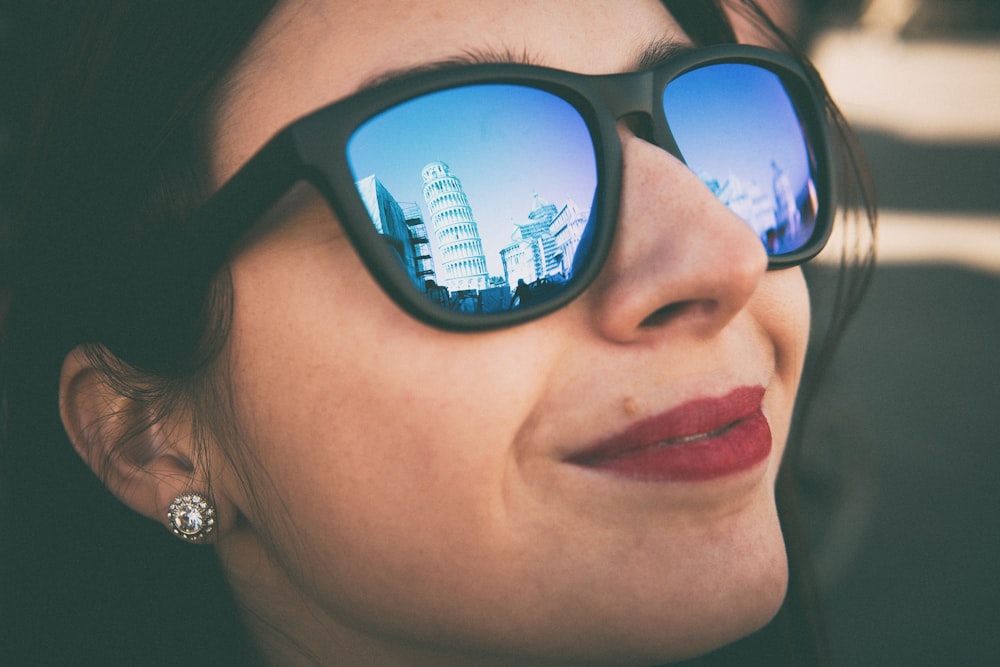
column 505, row 143
column 734, row 119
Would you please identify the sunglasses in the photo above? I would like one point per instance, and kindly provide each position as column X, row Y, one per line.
column 485, row 196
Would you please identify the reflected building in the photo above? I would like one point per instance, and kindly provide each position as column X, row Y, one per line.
column 787, row 214
column 776, row 216
column 421, row 242
column 519, row 262
column 543, row 245
column 745, row 199
column 568, row 228
column 748, row 201
column 455, row 230
column 402, row 226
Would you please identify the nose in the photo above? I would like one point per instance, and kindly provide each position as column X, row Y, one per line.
column 680, row 258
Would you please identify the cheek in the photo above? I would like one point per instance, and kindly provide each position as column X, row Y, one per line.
column 784, row 312
column 781, row 309
column 387, row 440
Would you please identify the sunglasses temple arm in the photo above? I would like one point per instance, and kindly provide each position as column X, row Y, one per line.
column 231, row 211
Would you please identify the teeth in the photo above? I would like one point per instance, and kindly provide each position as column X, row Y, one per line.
column 689, row 438
column 693, row 438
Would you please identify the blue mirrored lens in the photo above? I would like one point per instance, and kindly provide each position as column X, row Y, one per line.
column 738, row 130
column 483, row 191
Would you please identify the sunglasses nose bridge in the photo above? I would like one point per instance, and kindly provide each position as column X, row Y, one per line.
column 633, row 99
column 627, row 95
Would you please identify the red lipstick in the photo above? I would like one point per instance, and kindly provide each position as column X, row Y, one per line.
column 699, row 440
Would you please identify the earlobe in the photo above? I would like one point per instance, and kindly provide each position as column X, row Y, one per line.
column 141, row 461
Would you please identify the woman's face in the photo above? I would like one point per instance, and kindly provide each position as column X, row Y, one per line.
column 423, row 494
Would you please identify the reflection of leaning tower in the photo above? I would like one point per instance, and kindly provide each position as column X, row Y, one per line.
column 461, row 248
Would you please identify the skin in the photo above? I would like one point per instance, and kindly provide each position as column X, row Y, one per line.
column 412, row 503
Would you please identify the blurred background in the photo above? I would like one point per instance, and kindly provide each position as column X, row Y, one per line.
column 903, row 459
column 903, row 446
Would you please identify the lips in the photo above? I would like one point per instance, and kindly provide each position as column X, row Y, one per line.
column 702, row 439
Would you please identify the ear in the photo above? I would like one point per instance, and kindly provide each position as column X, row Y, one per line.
column 144, row 465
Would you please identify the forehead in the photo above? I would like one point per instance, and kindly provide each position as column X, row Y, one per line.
column 312, row 52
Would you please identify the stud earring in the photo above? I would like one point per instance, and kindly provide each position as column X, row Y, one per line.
column 191, row 517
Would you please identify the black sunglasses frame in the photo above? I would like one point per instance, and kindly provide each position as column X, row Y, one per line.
column 313, row 149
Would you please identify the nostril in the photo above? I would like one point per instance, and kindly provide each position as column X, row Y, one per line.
column 668, row 312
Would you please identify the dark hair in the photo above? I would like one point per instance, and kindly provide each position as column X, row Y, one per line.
column 115, row 152
column 117, row 155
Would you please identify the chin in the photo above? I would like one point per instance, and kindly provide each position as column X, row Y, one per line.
column 731, row 596
column 748, row 589
column 751, row 601
column 750, row 612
